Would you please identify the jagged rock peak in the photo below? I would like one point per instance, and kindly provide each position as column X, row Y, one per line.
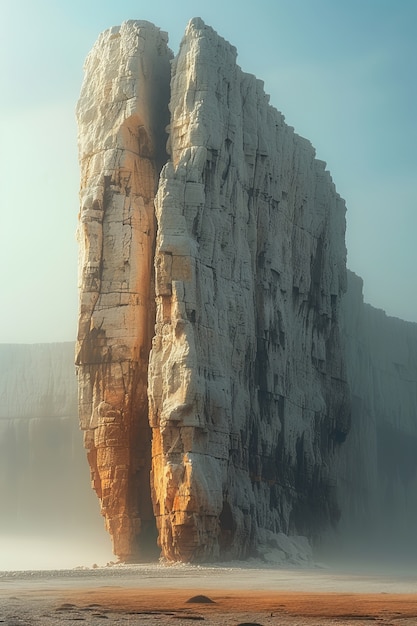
column 245, row 382
column 197, row 27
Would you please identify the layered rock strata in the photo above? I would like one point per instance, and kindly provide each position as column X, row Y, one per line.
column 122, row 114
column 248, row 400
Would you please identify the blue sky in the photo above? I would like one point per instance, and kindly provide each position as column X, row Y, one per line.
column 342, row 73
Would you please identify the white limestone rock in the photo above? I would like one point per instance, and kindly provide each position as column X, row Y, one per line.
column 227, row 255
column 280, row 549
column 246, row 376
column 122, row 113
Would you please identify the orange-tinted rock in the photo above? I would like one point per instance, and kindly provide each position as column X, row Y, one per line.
column 122, row 115
column 245, row 382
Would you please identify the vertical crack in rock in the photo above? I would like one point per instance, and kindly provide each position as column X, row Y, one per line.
column 122, row 114
column 248, row 400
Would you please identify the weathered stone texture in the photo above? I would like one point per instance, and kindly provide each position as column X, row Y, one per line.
column 245, row 382
column 122, row 113
column 247, row 390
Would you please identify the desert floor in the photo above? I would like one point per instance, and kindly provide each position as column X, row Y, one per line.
column 160, row 595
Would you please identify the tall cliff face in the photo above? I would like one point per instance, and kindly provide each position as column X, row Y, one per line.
column 247, row 390
column 248, row 400
column 122, row 114
column 377, row 468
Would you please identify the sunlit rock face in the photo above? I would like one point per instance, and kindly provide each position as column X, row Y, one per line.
column 247, row 390
column 248, row 400
column 377, row 467
column 122, row 114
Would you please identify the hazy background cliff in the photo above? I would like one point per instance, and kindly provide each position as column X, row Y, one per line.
column 247, row 391
column 377, row 471
column 49, row 515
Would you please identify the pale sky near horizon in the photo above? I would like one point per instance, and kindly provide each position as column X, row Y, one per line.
column 343, row 74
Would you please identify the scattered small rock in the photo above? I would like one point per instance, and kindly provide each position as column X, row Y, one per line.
column 200, row 600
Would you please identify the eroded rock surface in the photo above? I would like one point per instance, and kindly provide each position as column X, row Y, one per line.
column 248, row 400
column 247, row 389
column 122, row 114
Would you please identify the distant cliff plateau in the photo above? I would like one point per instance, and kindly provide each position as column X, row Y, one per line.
column 49, row 516
column 217, row 351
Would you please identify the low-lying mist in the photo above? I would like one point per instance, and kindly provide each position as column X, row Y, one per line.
column 25, row 552
column 49, row 514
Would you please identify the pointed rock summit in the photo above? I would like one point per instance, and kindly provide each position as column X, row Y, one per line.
column 212, row 385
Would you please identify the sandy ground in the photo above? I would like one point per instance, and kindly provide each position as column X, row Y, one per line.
column 155, row 595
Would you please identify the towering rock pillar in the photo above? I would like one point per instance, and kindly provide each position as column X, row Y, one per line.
column 122, row 115
column 247, row 389
column 245, row 382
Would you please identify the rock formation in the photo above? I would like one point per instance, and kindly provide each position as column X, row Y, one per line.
column 211, row 369
column 246, row 384
column 247, row 391
column 44, row 487
column 377, row 468
column 122, row 113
